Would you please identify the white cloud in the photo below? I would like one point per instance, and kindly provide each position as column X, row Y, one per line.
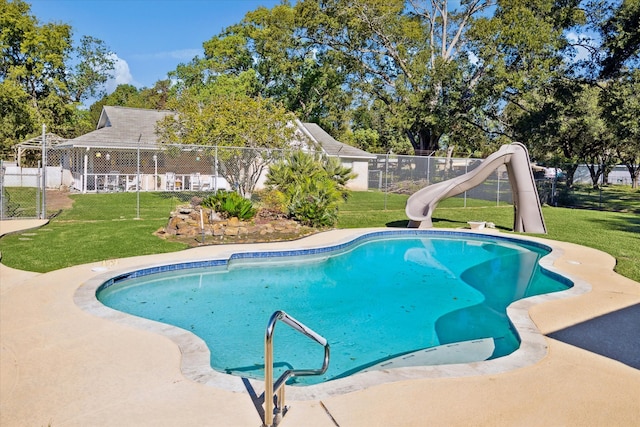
column 120, row 75
column 473, row 58
column 581, row 52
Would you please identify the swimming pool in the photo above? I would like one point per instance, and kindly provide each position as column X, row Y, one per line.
column 384, row 299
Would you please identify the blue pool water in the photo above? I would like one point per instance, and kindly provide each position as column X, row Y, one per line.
column 374, row 300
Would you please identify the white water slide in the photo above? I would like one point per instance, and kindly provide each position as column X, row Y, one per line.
column 527, row 210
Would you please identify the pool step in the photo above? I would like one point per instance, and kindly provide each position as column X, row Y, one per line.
column 460, row 352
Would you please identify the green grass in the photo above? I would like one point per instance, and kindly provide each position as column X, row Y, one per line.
column 21, row 202
column 619, row 198
column 102, row 226
column 98, row 227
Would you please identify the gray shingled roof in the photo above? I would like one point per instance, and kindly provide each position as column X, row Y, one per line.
column 121, row 127
column 330, row 145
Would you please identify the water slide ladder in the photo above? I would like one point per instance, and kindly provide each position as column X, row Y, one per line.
column 271, row 387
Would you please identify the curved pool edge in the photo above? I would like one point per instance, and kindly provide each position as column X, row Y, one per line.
column 195, row 354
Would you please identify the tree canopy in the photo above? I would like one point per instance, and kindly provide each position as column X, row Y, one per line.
column 43, row 77
column 408, row 76
column 621, row 37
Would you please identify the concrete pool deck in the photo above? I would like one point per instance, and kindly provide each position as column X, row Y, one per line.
column 60, row 365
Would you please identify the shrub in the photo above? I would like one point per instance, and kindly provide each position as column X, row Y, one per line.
column 312, row 187
column 271, row 205
column 231, row 204
column 272, row 200
column 338, row 174
column 315, row 202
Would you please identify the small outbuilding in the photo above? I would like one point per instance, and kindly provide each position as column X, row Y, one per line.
column 124, row 154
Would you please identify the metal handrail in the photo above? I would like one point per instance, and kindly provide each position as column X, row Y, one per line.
column 271, row 388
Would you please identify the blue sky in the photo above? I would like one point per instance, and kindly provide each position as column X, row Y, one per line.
column 149, row 37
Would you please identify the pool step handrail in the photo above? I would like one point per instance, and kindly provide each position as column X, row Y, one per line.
column 271, row 387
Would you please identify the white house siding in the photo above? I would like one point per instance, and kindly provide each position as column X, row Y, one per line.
column 361, row 168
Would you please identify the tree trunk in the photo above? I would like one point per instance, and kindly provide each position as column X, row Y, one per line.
column 571, row 171
column 424, row 141
column 634, row 171
column 596, row 172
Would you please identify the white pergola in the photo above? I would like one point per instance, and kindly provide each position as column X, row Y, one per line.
column 35, row 144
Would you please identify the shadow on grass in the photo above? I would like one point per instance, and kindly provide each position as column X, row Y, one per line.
column 458, row 224
column 398, row 224
column 448, row 221
column 609, row 198
column 450, row 224
column 627, row 224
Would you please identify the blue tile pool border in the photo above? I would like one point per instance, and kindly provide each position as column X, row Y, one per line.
column 325, row 250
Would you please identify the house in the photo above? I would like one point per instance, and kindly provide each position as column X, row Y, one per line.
column 355, row 158
column 107, row 158
column 124, row 154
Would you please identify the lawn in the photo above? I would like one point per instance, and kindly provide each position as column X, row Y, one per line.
column 98, row 227
column 619, row 198
column 104, row 226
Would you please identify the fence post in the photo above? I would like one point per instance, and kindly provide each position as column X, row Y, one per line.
column 1, row 189
column 386, row 182
column 38, row 189
column 155, row 171
column 466, row 170
column 215, row 169
column 498, row 192
column 85, row 171
column 43, row 211
column 138, row 179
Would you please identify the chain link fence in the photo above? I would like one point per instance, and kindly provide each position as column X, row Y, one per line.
column 408, row 174
column 21, row 192
column 180, row 168
column 188, row 171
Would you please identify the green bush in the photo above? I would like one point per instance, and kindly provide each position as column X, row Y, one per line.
column 230, row 204
column 312, row 187
column 272, row 204
column 314, row 202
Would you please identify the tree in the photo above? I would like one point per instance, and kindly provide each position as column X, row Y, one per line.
column 17, row 116
column 592, row 134
column 516, row 62
column 31, row 71
column 39, row 83
column 431, row 68
column 33, row 55
column 423, row 73
column 620, row 101
column 251, row 128
column 158, row 96
column 561, row 123
column 409, row 55
column 94, row 64
column 621, row 38
column 267, row 45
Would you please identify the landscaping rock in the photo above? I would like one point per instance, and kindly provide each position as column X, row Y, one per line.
column 184, row 225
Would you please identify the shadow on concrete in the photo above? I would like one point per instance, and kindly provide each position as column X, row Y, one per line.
column 615, row 335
